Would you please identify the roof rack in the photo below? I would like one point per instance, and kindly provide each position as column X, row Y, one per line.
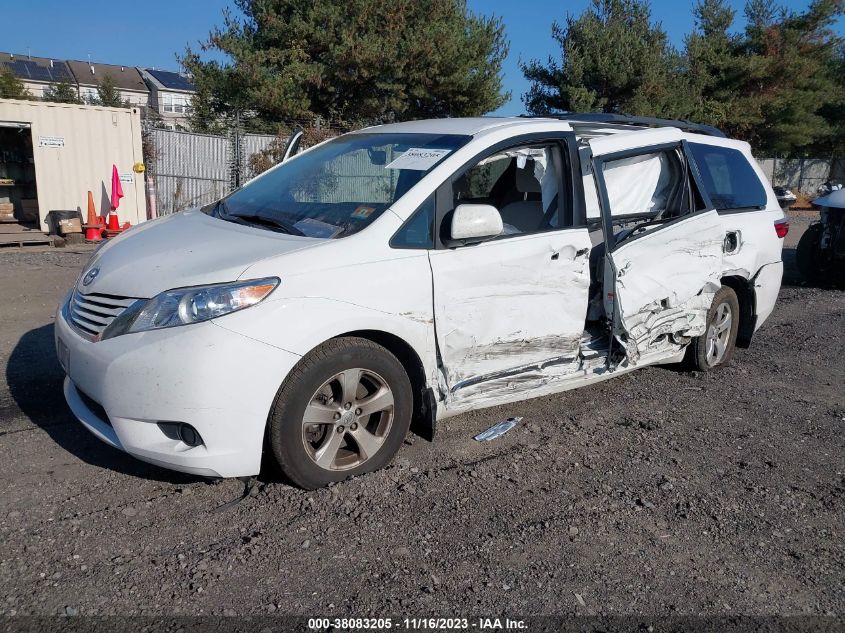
column 627, row 119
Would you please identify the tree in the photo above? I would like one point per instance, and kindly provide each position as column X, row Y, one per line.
column 108, row 95
column 62, row 92
column 714, row 65
column 790, row 80
column 350, row 61
column 207, row 109
column 612, row 59
column 778, row 84
column 834, row 113
column 11, row 87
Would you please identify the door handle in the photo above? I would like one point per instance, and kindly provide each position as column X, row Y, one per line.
column 571, row 256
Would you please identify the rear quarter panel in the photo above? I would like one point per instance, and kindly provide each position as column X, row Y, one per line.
column 759, row 244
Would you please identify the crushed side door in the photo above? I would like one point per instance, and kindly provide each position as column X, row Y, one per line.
column 663, row 285
column 663, row 267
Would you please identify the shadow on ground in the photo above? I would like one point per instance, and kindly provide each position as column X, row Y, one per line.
column 792, row 278
column 34, row 378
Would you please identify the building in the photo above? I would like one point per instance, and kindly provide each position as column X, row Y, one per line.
column 170, row 95
column 165, row 92
column 37, row 73
column 127, row 80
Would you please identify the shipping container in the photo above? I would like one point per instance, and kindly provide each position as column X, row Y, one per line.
column 52, row 154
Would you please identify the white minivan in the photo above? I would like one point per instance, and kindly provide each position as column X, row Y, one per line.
column 409, row 272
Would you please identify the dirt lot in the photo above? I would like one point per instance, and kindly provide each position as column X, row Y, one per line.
column 658, row 493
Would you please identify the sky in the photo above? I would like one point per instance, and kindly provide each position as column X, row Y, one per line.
column 152, row 33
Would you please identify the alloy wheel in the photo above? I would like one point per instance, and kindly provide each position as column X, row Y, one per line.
column 718, row 334
column 348, row 419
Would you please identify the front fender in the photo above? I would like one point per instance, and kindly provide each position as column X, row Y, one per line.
column 299, row 324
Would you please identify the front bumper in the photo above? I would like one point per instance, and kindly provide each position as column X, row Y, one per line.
column 220, row 382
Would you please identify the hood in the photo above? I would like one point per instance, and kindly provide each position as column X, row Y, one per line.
column 184, row 249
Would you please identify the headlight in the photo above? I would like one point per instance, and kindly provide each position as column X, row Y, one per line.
column 189, row 305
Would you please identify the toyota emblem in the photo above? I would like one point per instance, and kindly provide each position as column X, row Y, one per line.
column 90, row 276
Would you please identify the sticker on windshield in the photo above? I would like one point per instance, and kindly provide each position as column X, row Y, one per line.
column 362, row 212
column 418, row 159
column 312, row 227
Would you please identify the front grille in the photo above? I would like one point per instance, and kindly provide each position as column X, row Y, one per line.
column 92, row 313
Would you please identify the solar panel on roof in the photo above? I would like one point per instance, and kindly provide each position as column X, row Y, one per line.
column 19, row 68
column 172, row 80
column 61, row 73
column 38, row 71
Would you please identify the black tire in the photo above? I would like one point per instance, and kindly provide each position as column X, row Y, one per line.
column 808, row 254
column 699, row 354
column 290, row 437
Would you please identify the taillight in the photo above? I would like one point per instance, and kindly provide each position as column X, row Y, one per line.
column 782, row 227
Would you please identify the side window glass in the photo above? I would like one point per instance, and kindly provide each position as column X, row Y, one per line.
column 418, row 231
column 728, row 178
column 522, row 183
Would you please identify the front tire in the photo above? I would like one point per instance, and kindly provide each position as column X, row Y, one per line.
column 715, row 348
column 344, row 410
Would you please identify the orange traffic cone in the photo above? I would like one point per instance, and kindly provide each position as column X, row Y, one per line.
column 114, row 223
column 93, row 228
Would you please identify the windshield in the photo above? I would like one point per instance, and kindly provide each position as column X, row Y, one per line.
column 340, row 187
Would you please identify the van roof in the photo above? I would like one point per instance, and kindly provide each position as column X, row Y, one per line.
column 585, row 125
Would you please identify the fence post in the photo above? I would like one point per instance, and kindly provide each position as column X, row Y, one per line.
column 236, row 152
column 801, row 175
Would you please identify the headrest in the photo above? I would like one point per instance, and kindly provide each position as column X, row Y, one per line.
column 525, row 180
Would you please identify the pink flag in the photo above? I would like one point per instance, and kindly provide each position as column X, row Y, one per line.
column 116, row 188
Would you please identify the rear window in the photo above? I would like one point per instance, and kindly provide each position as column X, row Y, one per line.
column 728, row 179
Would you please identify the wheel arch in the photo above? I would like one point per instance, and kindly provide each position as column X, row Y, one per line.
column 744, row 289
column 425, row 405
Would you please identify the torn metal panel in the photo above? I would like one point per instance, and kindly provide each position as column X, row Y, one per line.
column 507, row 390
column 658, row 327
column 510, row 306
column 515, row 357
column 527, row 379
column 664, row 283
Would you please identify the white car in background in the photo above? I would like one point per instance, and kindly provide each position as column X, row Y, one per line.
column 413, row 271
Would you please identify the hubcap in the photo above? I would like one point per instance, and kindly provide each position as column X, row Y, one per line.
column 348, row 419
column 718, row 334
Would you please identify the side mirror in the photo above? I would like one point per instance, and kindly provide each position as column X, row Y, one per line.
column 292, row 146
column 475, row 223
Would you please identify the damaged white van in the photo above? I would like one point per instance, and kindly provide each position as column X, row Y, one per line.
column 409, row 272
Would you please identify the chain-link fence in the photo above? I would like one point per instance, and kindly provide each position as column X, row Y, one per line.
column 189, row 169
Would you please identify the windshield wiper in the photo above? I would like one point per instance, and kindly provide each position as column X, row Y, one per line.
column 281, row 225
column 252, row 219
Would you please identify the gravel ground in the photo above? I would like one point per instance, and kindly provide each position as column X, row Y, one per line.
column 659, row 493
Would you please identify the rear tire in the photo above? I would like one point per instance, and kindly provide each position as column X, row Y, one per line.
column 715, row 348
column 808, row 254
column 344, row 410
